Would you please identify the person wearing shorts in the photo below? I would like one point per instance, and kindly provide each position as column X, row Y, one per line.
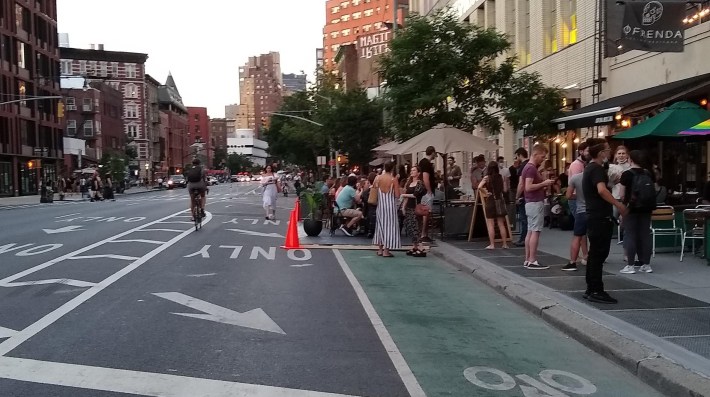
column 534, row 192
column 200, row 185
column 579, row 239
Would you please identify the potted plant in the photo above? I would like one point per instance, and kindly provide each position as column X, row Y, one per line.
column 312, row 201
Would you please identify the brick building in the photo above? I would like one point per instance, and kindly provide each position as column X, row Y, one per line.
column 199, row 130
column 124, row 71
column 157, row 164
column 218, row 133
column 94, row 116
column 175, row 127
column 29, row 66
column 348, row 19
column 260, row 91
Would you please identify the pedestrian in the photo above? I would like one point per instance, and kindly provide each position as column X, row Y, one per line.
column 638, row 193
column 534, row 188
column 521, row 156
column 428, row 178
column 575, row 191
column 495, row 204
column 62, row 186
column 386, row 190
column 270, row 183
column 454, row 173
column 370, row 208
column 600, row 225
column 620, row 165
column 577, row 167
column 414, row 191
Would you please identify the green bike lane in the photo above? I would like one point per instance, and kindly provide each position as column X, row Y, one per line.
column 462, row 338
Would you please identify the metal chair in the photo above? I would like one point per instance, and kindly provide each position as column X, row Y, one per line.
column 663, row 224
column 694, row 225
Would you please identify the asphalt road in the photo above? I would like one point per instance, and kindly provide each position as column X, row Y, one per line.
column 126, row 298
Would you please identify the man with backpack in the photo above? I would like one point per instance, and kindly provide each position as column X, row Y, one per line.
column 197, row 180
column 638, row 192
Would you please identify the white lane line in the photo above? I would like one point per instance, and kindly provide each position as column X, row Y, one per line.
column 139, row 383
column 139, row 240
column 181, row 222
column 107, row 256
column 160, row 230
column 202, row 275
column 65, row 281
column 6, row 332
column 400, row 364
column 22, row 336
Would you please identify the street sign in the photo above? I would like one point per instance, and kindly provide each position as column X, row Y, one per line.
column 321, row 160
column 331, row 163
column 41, row 151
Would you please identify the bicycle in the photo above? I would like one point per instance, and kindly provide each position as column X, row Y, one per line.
column 196, row 208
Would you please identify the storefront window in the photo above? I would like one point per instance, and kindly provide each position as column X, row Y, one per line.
column 28, row 180
column 5, row 179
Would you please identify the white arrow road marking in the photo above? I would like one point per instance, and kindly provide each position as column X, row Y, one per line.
column 107, row 256
column 65, row 281
column 6, row 332
column 138, row 383
column 64, row 229
column 256, row 318
column 252, row 233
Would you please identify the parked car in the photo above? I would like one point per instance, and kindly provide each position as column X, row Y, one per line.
column 176, row 181
column 212, row 181
column 235, row 178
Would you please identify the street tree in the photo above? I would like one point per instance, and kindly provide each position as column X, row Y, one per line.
column 440, row 70
column 113, row 163
column 219, row 158
column 238, row 163
column 343, row 120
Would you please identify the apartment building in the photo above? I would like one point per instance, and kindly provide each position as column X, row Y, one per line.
column 198, row 124
column 218, row 133
column 293, row 82
column 93, row 115
column 348, row 19
column 29, row 128
column 175, row 126
column 157, row 165
column 125, row 72
column 260, row 91
column 606, row 87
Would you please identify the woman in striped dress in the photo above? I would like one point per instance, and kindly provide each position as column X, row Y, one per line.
column 387, row 227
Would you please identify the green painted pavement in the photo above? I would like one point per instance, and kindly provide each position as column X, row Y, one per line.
column 444, row 321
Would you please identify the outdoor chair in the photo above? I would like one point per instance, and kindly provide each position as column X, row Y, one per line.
column 663, row 224
column 694, row 225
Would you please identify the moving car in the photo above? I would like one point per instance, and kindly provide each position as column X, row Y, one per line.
column 176, row 181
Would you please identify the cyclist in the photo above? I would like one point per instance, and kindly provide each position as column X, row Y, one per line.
column 197, row 179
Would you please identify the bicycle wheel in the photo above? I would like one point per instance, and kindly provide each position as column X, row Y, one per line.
column 196, row 213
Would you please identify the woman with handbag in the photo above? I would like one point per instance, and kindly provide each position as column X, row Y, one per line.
column 385, row 194
column 414, row 191
column 494, row 204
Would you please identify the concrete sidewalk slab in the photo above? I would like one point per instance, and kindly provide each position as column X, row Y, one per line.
column 664, row 365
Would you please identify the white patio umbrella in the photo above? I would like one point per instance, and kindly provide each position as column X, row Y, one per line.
column 386, row 147
column 445, row 139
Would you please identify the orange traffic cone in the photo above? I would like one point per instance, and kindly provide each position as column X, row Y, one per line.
column 292, row 233
column 298, row 209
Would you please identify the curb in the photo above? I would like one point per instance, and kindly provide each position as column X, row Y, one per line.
column 659, row 372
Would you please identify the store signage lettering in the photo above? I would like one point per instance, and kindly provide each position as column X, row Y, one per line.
column 603, row 120
column 653, row 26
column 374, row 45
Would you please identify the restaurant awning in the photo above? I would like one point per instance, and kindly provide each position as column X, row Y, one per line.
column 602, row 113
column 674, row 119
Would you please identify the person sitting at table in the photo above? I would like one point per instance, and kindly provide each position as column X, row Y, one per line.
column 348, row 198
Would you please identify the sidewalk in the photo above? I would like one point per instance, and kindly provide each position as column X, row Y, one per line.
column 34, row 199
column 659, row 330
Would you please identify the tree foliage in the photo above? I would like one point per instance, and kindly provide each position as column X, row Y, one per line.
column 440, row 70
column 239, row 163
column 219, row 156
column 345, row 120
column 113, row 163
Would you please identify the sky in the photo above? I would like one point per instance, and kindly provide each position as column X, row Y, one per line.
column 202, row 43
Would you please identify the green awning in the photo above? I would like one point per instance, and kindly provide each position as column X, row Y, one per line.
column 676, row 118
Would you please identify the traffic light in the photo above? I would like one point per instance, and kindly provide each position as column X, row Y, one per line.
column 263, row 123
column 60, row 109
column 34, row 163
column 31, row 164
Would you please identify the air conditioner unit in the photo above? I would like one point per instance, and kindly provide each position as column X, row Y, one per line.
column 71, row 107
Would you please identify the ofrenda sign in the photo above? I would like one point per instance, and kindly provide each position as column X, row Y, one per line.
column 653, row 26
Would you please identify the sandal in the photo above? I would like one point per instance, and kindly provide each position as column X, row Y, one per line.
column 491, row 247
column 411, row 252
column 388, row 256
column 379, row 253
column 419, row 254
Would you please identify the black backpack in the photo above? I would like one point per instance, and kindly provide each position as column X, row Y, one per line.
column 195, row 174
column 643, row 192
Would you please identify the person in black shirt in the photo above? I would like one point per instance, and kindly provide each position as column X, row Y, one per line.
column 638, row 242
column 600, row 225
column 521, row 156
column 428, row 177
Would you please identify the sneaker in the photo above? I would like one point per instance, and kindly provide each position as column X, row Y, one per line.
column 570, row 267
column 585, row 295
column 346, row 231
column 601, row 297
column 620, row 242
column 536, row 266
column 628, row 269
column 583, row 262
column 646, row 269
column 526, row 263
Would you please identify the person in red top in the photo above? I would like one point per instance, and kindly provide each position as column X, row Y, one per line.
column 534, row 191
